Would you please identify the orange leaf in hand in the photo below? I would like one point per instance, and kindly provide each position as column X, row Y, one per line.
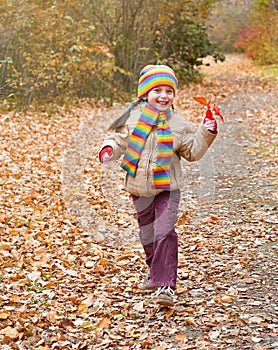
column 202, row 100
column 206, row 103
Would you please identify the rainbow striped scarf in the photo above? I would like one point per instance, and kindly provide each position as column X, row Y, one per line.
column 148, row 118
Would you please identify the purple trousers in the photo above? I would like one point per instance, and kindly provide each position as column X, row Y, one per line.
column 157, row 217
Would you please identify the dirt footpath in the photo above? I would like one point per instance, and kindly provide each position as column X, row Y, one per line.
column 238, row 208
column 227, row 289
column 227, row 277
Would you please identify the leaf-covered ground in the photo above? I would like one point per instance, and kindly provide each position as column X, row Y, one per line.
column 71, row 264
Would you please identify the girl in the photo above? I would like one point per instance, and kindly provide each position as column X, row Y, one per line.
column 153, row 139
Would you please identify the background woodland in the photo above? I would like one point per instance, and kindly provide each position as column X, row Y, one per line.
column 67, row 49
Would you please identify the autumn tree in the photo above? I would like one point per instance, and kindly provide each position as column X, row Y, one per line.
column 258, row 37
column 47, row 52
column 182, row 38
column 248, row 26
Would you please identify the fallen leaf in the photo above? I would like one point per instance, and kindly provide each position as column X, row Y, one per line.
column 256, row 319
column 10, row 333
column 256, row 339
column 34, row 276
column 212, row 219
column 213, row 335
column 189, row 321
column 139, row 306
column 105, row 322
column 170, row 312
column 104, row 261
column 182, row 338
column 4, row 315
column 87, row 325
column 83, row 308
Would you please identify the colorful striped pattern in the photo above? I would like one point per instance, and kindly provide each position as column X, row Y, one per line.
column 148, row 118
column 153, row 76
column 162, row 167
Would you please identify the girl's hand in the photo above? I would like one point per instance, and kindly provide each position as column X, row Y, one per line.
column 105, row 154
column 210, row 122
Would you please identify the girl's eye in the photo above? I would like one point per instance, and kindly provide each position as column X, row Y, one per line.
column 168, row 91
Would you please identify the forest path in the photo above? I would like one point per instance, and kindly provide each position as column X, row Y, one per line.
column 228, row 219
column 241, row 211
column 71, row 264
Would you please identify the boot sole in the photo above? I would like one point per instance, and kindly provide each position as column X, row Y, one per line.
column 165, row 303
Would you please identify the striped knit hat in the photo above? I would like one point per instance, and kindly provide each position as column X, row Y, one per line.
column 152, row 76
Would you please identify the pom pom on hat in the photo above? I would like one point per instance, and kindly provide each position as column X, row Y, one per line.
column 152, row 76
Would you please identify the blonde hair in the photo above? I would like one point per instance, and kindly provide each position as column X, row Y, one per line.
column 119, row 122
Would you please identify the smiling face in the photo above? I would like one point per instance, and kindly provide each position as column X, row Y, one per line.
column 161, row 97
